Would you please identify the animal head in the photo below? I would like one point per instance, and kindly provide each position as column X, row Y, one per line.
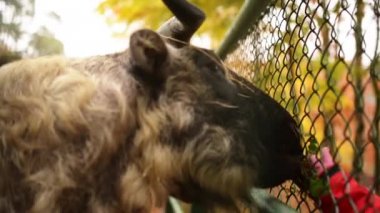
column 237, row 137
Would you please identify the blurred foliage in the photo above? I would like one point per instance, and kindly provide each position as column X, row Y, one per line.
column 220, row 14
column 14, row 16
column 12, row 13
column 6, row 55
column 43, row 43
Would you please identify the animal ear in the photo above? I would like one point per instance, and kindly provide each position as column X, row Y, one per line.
column 148, row 52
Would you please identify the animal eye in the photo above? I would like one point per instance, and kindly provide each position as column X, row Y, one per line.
column 215, row 68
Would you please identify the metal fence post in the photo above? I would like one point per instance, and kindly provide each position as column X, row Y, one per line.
column 249, row 13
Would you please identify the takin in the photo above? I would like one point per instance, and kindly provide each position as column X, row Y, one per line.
column 121, row 132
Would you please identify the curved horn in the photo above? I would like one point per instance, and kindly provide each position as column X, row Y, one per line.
column 187, row 19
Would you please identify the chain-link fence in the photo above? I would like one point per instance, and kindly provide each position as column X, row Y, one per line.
column 320, row 60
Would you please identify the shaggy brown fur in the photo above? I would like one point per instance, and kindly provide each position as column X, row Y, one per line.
column 93, row 135
column 121, row 132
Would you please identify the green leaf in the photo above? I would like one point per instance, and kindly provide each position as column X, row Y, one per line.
column 269, row 204
column 173, row 206
column 197, row 209
column 318, row 187
column 313, row 146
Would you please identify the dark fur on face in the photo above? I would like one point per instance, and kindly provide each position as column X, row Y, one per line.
column 118, row 133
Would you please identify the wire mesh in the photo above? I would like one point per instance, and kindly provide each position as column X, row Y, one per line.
column 320, row 60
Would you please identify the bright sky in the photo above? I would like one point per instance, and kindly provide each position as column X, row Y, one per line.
column 82, row 30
